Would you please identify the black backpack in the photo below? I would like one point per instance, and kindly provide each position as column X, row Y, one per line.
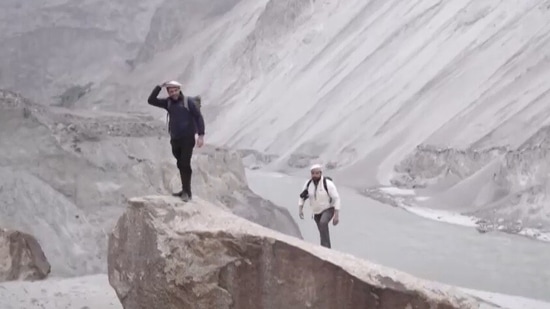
column 305, row 194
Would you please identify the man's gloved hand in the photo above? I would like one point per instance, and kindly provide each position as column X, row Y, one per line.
column 301, row 212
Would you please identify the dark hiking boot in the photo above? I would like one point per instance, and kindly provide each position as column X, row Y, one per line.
column 185, row 197
column 178, row 194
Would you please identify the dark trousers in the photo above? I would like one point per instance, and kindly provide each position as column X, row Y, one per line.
column 182, row 149
column 322, row 221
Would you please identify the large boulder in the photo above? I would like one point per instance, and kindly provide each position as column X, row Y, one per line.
column 164, row 254
column 21, row 257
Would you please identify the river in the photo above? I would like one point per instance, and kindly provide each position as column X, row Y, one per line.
column 452, row 254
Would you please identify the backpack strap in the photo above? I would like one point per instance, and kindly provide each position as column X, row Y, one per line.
column 186, row 102
column 326, row 188
column 324, row 185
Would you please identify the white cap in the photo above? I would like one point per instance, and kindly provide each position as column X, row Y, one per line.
column 316, row 167
column 173, row 83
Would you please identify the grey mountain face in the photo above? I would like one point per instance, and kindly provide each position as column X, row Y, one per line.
column 52, row 46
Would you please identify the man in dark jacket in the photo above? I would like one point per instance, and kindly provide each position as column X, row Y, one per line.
column 185, row 120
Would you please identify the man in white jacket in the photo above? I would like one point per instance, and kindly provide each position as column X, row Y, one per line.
column 324, row 201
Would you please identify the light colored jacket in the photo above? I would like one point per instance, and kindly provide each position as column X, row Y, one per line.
column 318, row 199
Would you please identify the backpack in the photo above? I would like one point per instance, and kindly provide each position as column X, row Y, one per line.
column 196, row 99
column 324, row 185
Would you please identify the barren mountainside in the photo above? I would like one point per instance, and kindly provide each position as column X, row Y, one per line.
column 358, row 85
column 54, row 50
column 452, row 73
column 361, row 84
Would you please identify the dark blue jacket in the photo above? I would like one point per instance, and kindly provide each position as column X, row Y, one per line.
column 183, row 122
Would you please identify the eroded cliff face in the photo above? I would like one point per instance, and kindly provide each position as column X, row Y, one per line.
column 429, row 165
column 167, row 254
column 508, row 189
column 21, row 257
column 65, row 174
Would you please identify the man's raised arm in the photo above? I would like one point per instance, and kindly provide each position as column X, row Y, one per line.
column 153, row 100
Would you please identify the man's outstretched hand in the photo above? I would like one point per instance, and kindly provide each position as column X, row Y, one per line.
column 200, row 141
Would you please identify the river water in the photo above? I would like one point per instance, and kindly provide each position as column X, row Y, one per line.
column 452, row 254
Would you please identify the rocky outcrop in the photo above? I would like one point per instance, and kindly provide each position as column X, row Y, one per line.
column 254, row 159
column 21, row 257
column 166, row 254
